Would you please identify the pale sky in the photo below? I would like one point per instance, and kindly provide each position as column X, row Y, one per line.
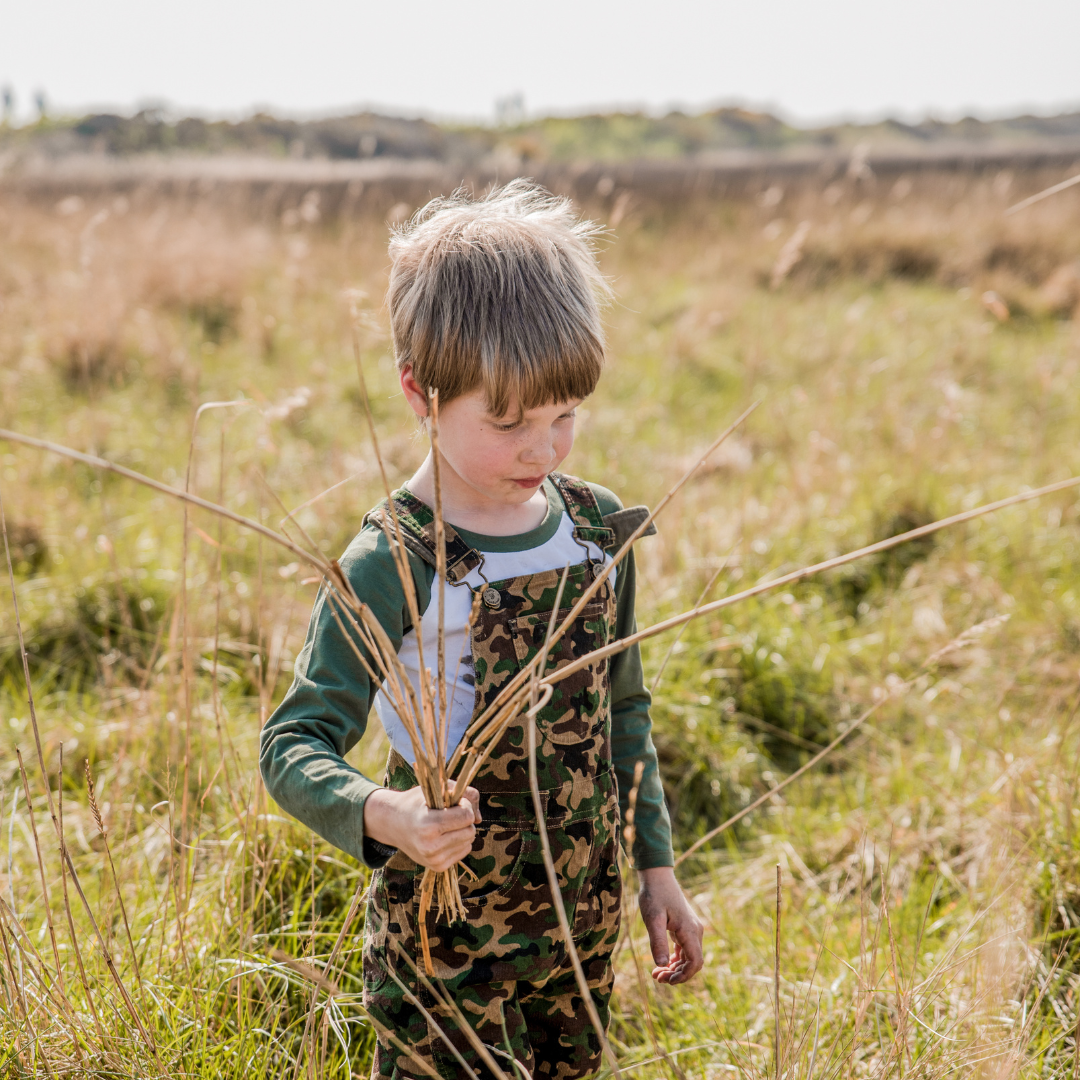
column 809, row 60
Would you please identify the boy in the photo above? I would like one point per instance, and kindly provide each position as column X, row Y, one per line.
column 494, row 303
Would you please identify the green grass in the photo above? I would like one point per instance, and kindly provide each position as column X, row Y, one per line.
column 930, row 868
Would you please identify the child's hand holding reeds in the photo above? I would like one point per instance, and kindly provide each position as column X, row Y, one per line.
column 437, row 839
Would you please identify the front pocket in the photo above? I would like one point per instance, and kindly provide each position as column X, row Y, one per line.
column 589, row 631
column 494, row 865
column 572, row 717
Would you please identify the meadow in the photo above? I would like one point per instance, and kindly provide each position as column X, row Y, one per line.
column 916, row 353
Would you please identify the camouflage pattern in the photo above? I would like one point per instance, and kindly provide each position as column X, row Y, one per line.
column 507, row 961
column 417, row 521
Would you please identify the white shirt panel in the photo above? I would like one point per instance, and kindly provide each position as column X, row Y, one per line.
column 553, row 554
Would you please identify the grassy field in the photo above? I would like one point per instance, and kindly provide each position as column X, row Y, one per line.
column 914, row 355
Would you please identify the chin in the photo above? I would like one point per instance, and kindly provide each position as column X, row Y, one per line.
column 518, row 495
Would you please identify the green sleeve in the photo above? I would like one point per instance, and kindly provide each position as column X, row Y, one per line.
column 631, row 724
column 324, row 713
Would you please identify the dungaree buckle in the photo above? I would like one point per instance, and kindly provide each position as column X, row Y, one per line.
column 491, row 597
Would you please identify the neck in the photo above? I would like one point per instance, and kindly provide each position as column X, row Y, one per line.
column 470, row 509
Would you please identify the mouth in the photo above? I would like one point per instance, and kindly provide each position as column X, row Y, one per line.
column 531, row 481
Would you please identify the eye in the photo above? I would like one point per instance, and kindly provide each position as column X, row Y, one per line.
column 513, row 426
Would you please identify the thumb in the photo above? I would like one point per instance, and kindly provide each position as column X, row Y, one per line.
column 656, row 925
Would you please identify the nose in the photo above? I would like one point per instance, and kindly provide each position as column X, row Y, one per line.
column 539, row 450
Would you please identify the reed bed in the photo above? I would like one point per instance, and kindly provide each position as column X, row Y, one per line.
column 929, row 872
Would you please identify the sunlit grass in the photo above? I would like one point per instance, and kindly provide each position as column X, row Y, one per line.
column 930, row 872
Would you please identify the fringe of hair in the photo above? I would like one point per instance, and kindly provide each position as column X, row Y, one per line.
column 501, row 293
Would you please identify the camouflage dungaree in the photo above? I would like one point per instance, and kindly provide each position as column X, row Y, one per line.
column 508, row 961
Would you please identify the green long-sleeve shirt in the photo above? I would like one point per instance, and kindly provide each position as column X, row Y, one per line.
column 325, row 711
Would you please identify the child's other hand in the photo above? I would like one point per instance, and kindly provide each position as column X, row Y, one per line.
column 433, row 838
column 665, row 910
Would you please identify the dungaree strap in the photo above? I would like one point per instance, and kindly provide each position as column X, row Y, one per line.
column 418, row 532
column 417, row 519
column 607, row 531
column 583, row 509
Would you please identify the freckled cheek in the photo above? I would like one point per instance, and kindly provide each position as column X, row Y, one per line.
column 563, row 444
column 491, row 460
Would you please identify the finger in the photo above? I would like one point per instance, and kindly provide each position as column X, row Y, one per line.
column 669, row 972
column 441, row 830
column 685, row 968
column 656, row 926
column 456, row 845
column 474, row 798
column 689, row 947
column 450, row 850
column 454, row 818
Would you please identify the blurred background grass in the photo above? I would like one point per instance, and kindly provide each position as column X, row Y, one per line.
column 916, row 353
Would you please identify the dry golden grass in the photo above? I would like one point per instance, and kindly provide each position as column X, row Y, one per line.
column 930, row 872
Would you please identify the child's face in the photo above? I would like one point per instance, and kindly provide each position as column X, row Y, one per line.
column 502, row 459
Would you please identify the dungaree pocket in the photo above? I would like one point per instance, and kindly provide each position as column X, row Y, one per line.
column 500, row 851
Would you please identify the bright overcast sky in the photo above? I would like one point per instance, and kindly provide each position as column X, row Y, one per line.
column 810, row 60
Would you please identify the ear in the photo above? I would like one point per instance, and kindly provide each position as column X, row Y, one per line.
column 414, row 393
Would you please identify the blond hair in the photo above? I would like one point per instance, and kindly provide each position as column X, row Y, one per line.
column 501, row 293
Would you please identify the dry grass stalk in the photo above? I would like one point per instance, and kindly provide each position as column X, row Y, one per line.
column 100, row 823
column 445, row 884
column 432, row 1022
column 35, row 964
column 448, row 1005
column 65, row 856
column 18, row 983
column 777, row 1055
column 67, row 906
column 1044, row 194
column 111, row 965
column 22, row 770
column 424, row 719
column 308, row 1039
column 13, row 988
column 224, row 737
column 700, row 600
column 761, row 800
column 322, row 565
column 41, row 871
column 418, row 1061
column 789, row 255
column 805, row 572
column 185, row 634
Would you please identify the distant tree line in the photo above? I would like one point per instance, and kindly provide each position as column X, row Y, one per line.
column 612, row 137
